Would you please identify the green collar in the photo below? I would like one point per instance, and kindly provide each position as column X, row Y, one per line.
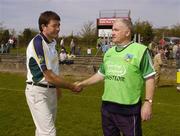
column 119, row 47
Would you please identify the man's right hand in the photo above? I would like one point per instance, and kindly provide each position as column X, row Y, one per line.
column 77, row 87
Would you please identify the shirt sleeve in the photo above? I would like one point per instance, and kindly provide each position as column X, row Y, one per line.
column 146, row 65
column 39, row 51
column 101, row 70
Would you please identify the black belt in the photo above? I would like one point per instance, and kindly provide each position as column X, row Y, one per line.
column 41, row 85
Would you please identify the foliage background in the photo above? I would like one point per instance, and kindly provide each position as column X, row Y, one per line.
column 87, row 35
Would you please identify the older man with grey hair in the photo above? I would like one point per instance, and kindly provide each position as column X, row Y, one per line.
column 127, row 71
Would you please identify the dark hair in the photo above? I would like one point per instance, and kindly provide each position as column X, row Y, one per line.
column 160, row 48
column 45, row 18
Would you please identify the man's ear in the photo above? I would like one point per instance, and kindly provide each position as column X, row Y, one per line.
column 43, row 26
column 128, row 33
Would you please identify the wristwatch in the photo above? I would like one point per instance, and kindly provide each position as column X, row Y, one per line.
column 148, row 100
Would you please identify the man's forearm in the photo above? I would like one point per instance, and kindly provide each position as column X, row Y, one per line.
column 92, row 80
column 150, row 85
column 58, row 82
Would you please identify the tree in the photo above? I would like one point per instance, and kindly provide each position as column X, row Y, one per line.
column 145, row 29
column 1, row 26
column 26, row 36
column 88, row 33
column 1, row 31
column 160, row 33
column 175, row 30
column 5, row 36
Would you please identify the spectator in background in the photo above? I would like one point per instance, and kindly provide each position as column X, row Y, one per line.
column 178, row 67
column 105, row 47
column 99, row 43
column 72, row 47
column 166, row 51
column 155, row 50
column 78, row 50
column 89, row 51
column 11, row 42
column 15, row 42
column 158, row 62
column 7, row 47
column 162, row 42
column 62, row 43
column 178, row 57
column 174, row 50
column 62, row 56
column 152, row 49
column 2, row 47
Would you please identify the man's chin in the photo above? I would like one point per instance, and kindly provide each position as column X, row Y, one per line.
column 56, row 36
column 115, row 42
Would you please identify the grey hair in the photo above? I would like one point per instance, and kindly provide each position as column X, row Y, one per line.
column 127, row 22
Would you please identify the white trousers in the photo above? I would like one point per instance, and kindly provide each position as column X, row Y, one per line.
column 42, row 103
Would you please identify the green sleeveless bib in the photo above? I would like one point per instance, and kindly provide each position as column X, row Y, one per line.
column 123, row 79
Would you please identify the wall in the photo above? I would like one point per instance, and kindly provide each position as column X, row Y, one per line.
column 17, row 64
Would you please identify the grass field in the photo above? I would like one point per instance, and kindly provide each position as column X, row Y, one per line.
column 79, row 114
column 22, row 50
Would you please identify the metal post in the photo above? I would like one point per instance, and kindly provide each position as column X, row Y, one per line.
column 17, row 46
column 139, row 38
column 134, row 38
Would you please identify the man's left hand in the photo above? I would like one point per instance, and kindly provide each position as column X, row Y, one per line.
column 146, row 111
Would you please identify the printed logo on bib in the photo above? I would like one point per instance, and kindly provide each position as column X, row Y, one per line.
column 128, row 57
column 41, row 59
column 116, row 70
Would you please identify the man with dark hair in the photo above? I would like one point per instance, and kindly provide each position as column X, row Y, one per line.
column 126, row 70
column 43, row 81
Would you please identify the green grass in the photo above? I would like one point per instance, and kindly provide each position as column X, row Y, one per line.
column 79, row 114
column 18, row 51
column 22, row 50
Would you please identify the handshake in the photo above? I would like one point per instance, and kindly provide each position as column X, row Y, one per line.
column 77, row 87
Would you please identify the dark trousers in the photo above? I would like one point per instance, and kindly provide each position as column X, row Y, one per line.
column 114, row 124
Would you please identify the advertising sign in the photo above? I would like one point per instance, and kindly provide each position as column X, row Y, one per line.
column 106, row 21
column 104, row 32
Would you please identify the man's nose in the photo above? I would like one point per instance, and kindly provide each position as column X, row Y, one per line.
column 113, row 33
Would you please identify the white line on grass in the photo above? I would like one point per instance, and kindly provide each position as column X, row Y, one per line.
column 11, row 89
column 73, row 94
column 82, row 96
